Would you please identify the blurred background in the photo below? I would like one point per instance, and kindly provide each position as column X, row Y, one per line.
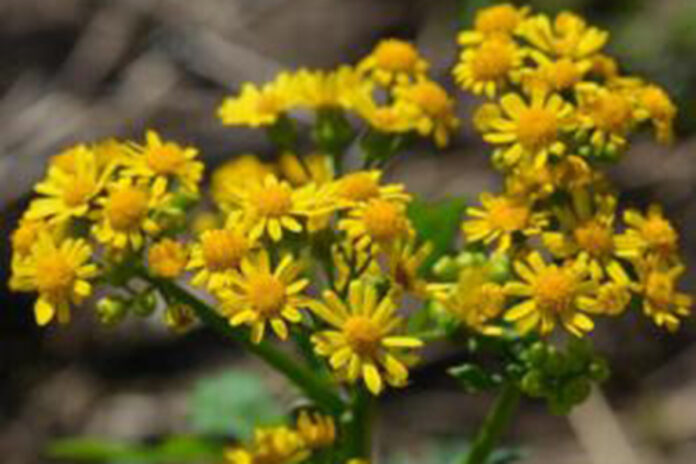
column 79, row 70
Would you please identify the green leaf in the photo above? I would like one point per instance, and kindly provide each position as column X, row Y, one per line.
column 438, row 223
column 233, row 402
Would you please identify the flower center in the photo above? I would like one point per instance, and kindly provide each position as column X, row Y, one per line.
column 267, row 294
column 493, row 60
column 396, row 55
column 659, row 289
column 431, row 98
column 657, row 103
column 659, row 234
column 166, row 159
column 554, row 289
column 127, row 208
column 24, row 237
column 594, row 238
column 537, row 128
column 362, row 335
column 613, row 298
column 562, row 74
column 383, row 220
column 55, row 275
column 223, row 249
column 269, row 104
column 78, row 191
column 273, row 201
column 612, row 112
column 359, row 186
column 498, row 19
column 507, row 215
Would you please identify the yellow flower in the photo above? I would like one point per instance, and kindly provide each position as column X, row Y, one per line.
column 59, row 272
column 489, row 67
column 167, row 258
column 555, row 75
column 474, row 299
column 377, row 223
column 126, row 215
column 274, row 205
column 587, row 226
column 218, row 254
column 386, row 118
column 569, row 174
column 328, row 89
column 662, row 302
column 550, row 294
column 237, row 173
column 316, row 429
column 260, row 106
column 363, row 340
column 179, row 318
column 28, row 231
column 68, row 193
column 430, row 107
column 654, row 103
column 611, row 297
column 259, row 295
column 162, row 162
column 393, row 61
column 608, row 115
column 351, row 263
column 569, row 36
column 501, row 218
column 359, row 187
column 497, row 20
column 530, row 130
column 271, row 445
column 404, row 263
column 650, row 234
column 315, row 168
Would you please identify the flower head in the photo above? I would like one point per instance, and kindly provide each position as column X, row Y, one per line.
column 498, row 20
column 650, row 234
column 271, row 445
column 363, row 341
column 662, row 302
column 260, row 106
column 329, row 89
column 377, row 223
column 568, row 36
column 316, row 429
column 359, row 187
column 240, row 172
column 393, row 61
column 167, row 258
column 487, row 68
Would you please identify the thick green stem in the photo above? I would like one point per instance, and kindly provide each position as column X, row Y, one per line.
column 358, row 429
column 312, row 385
column 494, row 425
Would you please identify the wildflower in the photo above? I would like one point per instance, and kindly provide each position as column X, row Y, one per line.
column 351, row 263
column 570, row 173
column 431, row 108
column 647, row 234
column 164, row 161
column 59, row 272
column 67, row 193
column 556, row 75
column 501, row 218
column 218, row 254
column 387, row 118
column 240, row 172
column 568, row 36
column 611, row 297
column 404, row 265
column 359, row 187
column 362, row 340
column 488, row 68
column 377, row 223
column 484, row 116
column 530, row 130
column 26, row 234
column 654, row 103
column 316, row 429
column 475, row 299
column 260, row 295
column 498, row 20
column 260, row 106
column 125, row 217
column 607, row 114
column 315, row 168
column 393, row 61
column 167, row 258
column 328, row 89
column 179, row 318
column 550, row 293
column 662, row 302
column 271, row 445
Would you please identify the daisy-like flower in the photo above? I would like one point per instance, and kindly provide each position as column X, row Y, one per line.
column 378, row 223
column 315, row 168
column 260, row 106
column 125, row 218
column 59, row 272
column 217, row 255
column 316, row 429
column 568, row 36
column 351, row 263
column 430, row 107
column 167, row 258
column 28, row 231
column 555, row 74
column 260, row 295
column 655, row 104
column 550, row 294
column 329, row 89
column 359, row 187
column 69, row 188
column 612, row 296
column 587, row 226
column 163, row 161
column 501, row 218
column 662, row 302
column 649, row 234
column 498, row 20
column 607, row 114
column 569, row 174
column 489, row 67
column 475, row 299
column 273, row 206
column 271, row 445
column 404, row 261
column 530, row 130
column 363, row 340
column 385, row 118
column 236, row 174
column 393, row 61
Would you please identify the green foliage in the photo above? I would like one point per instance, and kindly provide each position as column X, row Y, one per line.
column 474, row 379
column 232, row 403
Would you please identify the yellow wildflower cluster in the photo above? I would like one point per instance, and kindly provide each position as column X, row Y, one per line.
column 559, row 111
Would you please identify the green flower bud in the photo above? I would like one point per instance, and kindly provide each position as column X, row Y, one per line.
column 599, row 370
column 111, row 310
column 576, row 391
column 179, row 317
column 446, row 268
column 533, row 383
column 145, row 304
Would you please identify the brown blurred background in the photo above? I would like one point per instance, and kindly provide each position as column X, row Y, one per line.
column 78, row 70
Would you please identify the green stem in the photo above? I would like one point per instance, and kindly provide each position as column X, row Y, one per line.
column 313, row 386
column 358, row 429
column 494, row 425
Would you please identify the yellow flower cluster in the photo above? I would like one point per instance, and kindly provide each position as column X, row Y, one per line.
column 389, row 89
column 559, row 111
column 286, row 445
